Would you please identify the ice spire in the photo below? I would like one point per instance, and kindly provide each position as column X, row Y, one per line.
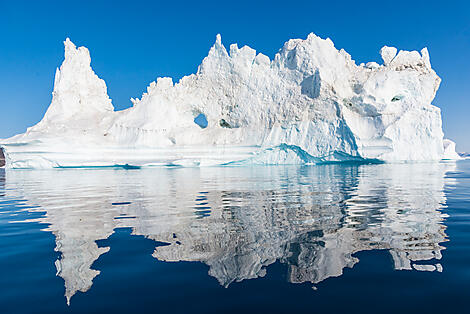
column 79, row 95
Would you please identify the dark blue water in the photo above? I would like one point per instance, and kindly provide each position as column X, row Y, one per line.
column 320, row 239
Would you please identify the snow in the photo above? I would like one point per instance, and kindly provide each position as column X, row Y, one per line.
column 310, row 104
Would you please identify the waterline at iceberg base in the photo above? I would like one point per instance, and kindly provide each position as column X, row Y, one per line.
column 310, row 104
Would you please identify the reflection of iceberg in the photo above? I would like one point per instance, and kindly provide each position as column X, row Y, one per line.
column 240, row 220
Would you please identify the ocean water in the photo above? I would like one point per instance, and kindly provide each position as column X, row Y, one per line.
column 378, row 238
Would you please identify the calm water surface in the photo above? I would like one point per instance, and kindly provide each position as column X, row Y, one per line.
column 331, row 238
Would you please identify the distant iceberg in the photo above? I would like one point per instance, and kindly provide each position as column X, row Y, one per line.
column 310, row 104
column 464, row 155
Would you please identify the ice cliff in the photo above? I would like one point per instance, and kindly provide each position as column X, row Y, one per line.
column 310, row 104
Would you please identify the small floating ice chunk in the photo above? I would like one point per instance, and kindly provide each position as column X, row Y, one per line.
column 420, row 267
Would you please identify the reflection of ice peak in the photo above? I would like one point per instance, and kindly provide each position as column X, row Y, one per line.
column 75, row 264
column 238, row 221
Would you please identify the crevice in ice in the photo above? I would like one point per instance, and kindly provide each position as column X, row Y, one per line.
column 397, row 98
column 224, row 124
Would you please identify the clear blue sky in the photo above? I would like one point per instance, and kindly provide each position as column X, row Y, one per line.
column 134, row 42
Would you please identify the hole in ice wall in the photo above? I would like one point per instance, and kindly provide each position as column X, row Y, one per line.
column 2, row 158
column 201, row 120
column 348, row 103
column 397, row 98
column 224, row 124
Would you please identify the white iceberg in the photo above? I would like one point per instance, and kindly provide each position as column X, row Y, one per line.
column 310, row 104
column 449, row 150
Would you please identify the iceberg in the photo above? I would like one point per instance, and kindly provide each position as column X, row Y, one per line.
column 449, row 150
column 311, row 104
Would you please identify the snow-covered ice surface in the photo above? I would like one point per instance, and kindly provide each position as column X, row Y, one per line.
column 310, row 104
